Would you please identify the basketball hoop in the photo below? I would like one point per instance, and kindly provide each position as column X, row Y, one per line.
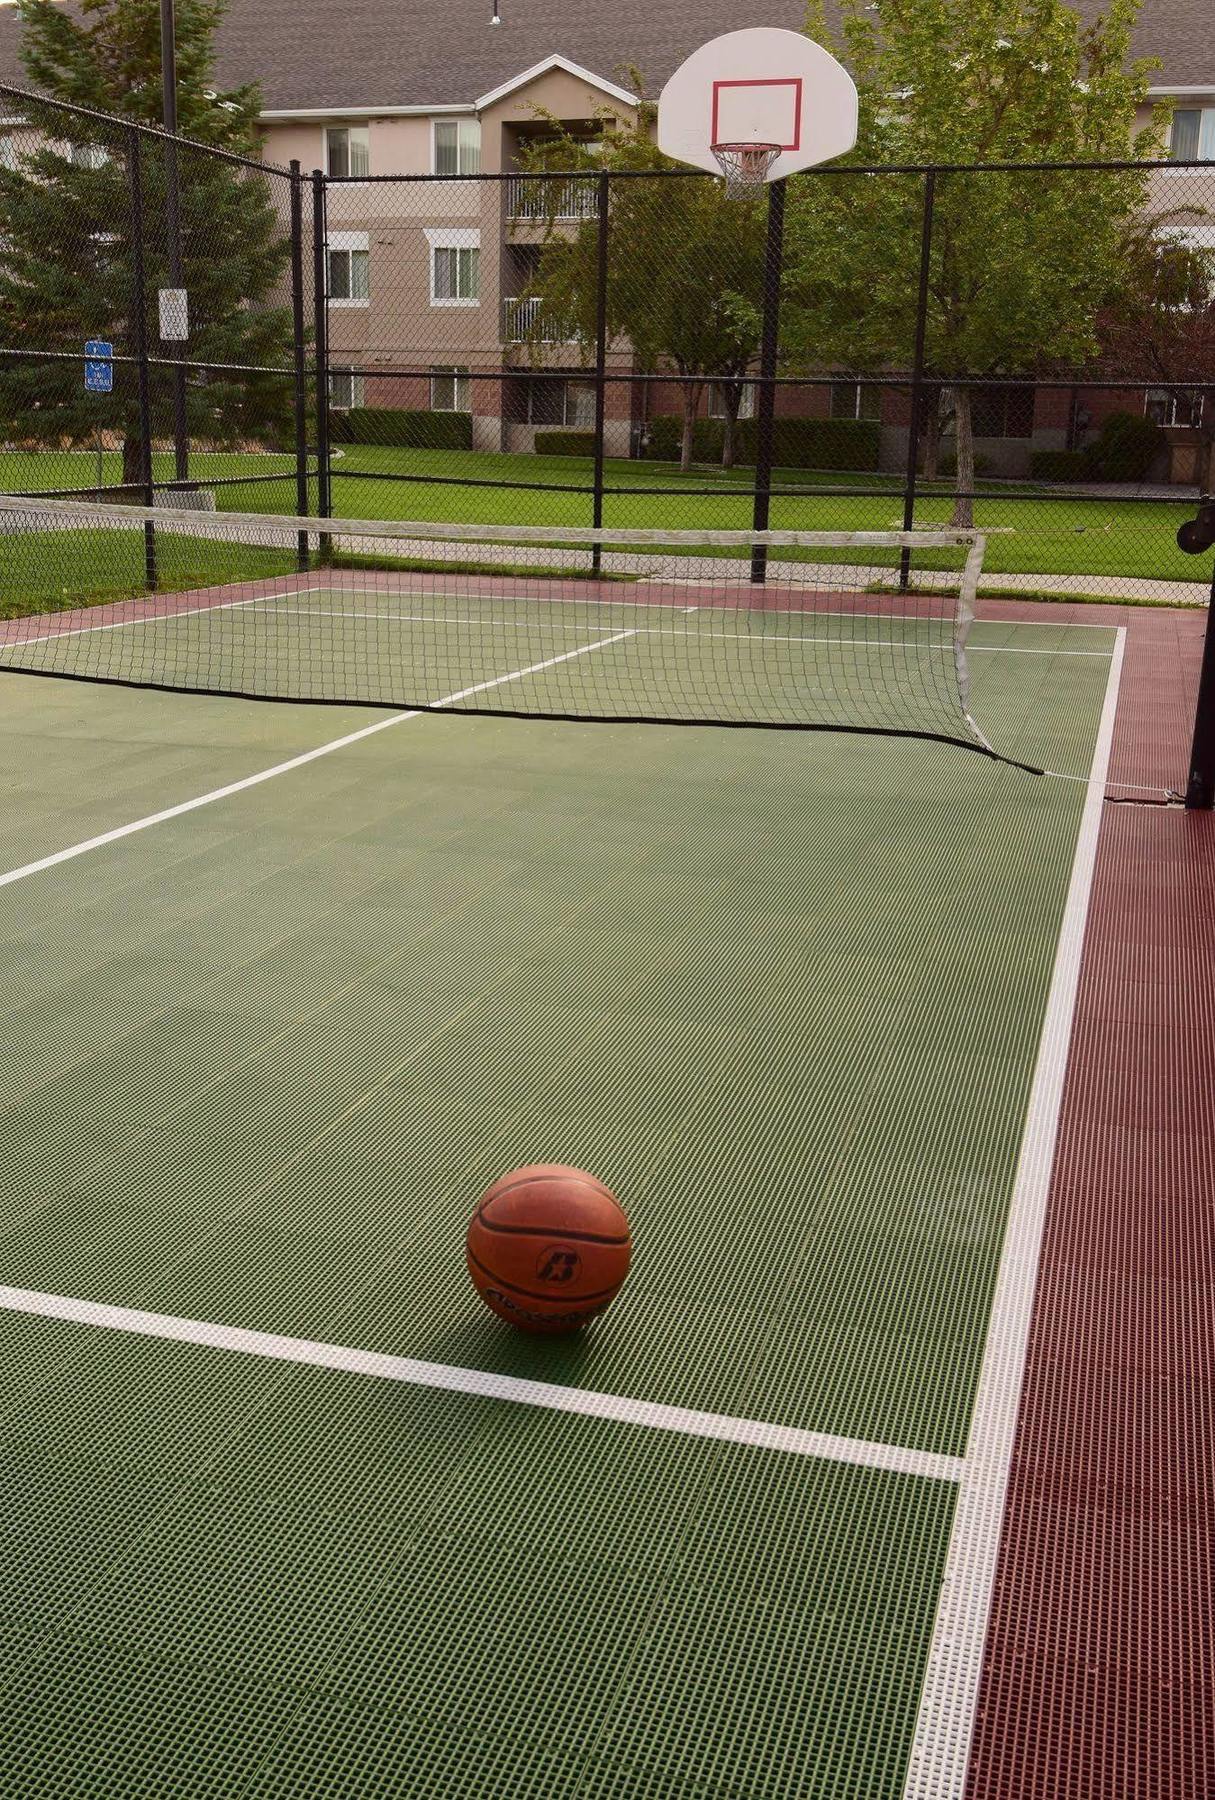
column 745, row 167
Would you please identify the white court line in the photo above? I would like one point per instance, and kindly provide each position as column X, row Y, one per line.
column 188, row 612
column 941, row 1747
column 294, row 762
column 732, row 637
column 757, row 1433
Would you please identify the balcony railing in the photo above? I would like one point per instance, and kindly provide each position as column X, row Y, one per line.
column 537, row 200
column 520, row 323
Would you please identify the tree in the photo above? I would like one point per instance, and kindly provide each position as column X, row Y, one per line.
column 1162, row 328
column 684, row 282
column 1023, row 264
column 67, row 221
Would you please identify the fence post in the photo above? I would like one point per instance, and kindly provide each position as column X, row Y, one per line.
column 917, row 375
column 321, row 328
column 603, row 193
column 1200, row 790
column 168, row 70
column 299, row 354
column 139, row 343
column 774, row 256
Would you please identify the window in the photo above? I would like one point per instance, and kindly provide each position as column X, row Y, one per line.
column 345, row 389
column 1002, row 412
column 717, row 399
column 457, row 147
column 455, row 266
column 855, row 400
column 348, row 150
column 1192, row 138
column 88, row 156
column 546, row 400
column 349, row 268
column 1173, row 406
column 449, row 390
column 8, row 150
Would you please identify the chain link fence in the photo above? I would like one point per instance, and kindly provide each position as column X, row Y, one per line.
column 849, row 350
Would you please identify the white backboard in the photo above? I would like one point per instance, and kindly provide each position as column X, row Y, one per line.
column 759, row 86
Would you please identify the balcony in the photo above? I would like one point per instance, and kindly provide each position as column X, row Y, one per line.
column 519, row 323
column 534, row 202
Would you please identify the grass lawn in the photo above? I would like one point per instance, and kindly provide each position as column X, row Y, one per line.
column 1052, row 534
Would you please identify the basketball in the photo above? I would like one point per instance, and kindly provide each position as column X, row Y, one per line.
column 548, row 1247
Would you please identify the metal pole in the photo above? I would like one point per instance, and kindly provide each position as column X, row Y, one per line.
column 1200, row 791
column 139, row 343
column 168, row 78
column 603, row 193
column 774, row 256
column 300, row 401
column 321, row 327
column 917, row 375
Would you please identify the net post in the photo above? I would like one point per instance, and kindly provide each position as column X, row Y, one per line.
column 917, row 376
column 603, row 196
column 1200, row 789
column 774, row 254
column 320, row 290
column 300, row 397
column 139, row 333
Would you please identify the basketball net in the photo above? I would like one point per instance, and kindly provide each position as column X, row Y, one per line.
column 744, row 167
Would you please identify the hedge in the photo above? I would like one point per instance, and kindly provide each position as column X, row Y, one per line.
column 398, row 427
column 565, row 443
column 1058, row 465
column 1124, row 450
column 796, row 443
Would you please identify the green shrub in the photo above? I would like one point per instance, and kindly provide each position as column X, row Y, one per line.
column 401, row 428
column 1125, row 448
column 666, row 438
column 1057, row 465
column 816, row 443
column 565, row 443
column 796, row 443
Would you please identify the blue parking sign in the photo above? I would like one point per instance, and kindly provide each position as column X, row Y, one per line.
column 98, row 367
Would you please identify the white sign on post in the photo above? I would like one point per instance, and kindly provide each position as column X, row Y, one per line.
column 174, row 316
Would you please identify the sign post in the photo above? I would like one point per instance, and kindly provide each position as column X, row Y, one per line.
column 99, row 379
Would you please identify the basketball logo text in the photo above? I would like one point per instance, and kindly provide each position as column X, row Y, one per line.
column 558, row 1264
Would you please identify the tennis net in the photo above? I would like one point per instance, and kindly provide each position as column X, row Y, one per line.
column 549, row 621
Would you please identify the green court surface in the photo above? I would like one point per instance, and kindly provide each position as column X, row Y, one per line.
column 781, row 991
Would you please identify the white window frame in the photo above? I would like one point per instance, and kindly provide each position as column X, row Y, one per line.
column 858, row 415
column 459, row 375
column 357, row 390
column 87, row 156
column 363, row 131
column 461, row 124
column 1191, row 400
column 715, row 406
column 348, row 240
column 465, row 237
column 1206, row 130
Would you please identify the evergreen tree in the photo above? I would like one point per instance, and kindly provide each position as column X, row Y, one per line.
column 68, row 221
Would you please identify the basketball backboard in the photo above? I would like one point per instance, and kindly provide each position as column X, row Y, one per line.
column 760, row 86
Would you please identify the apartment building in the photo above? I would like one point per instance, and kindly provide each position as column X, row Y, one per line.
column 425, row 277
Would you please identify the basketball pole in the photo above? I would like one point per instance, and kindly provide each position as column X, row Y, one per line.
column 774, row 257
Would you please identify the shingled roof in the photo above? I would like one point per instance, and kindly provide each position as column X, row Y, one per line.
column 388, row 53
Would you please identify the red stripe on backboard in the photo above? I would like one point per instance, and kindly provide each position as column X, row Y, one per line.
column 793, row 81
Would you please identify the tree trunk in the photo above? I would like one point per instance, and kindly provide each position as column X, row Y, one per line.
column 132, row 464
column 691, row 399
column 963, row 506
column 732, row 395
column 933, row 421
